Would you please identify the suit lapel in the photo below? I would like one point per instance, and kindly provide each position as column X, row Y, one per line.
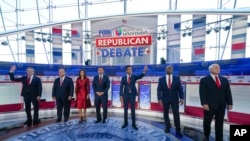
column 165, row 81
column 212, row 81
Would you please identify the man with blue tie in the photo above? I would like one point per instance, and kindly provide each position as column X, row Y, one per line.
column 128, row 93
column 170, row 92
column 62, row 92
column 215, row 96
column 31, row 93
column 101, row 86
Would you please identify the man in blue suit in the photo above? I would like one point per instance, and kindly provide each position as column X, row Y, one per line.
column 31, row 93
column 128, row 94
column 62, row 92
column 215, row 96
column 170, row 92
column 101, row 86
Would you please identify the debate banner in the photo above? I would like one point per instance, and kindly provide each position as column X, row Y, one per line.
column 130, row 40
column 144, row 95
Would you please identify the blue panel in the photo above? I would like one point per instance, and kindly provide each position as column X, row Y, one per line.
column 177, row 26
column 244, row 35
column 73, row 55
column 58, row 54
column 30, row 52
column 200, row 22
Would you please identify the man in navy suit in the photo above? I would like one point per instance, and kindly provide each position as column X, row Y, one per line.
column 62, row 92
column 170, row 92
column 101, row 86
column 128, row 94
column 31, row 92
column 215, row 96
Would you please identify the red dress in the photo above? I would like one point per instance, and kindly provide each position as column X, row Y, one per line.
column 82, row 89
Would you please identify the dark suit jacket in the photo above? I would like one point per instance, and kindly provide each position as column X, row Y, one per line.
column 212, row 95
column 34, row 89
column 101, row 87
column 64, row 91
column 173, row 94
column 125, row 87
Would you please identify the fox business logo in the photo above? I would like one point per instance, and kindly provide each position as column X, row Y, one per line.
column 239, row 132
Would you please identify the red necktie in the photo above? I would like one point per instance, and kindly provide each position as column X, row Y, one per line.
column 61, row 81
column 100, row 79
column 169, row 82
column 129, row 79
column 28, row 80
column 217, row 81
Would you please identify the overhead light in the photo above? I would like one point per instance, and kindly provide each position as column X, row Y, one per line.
column 67, row 41
column 227, row 27
column 38, row 39
column 162, row 29
column 23, row 37
column 216, row 27
column 208, row 30
column 67, row 34
column 44, row 40
column 4, row 43
column 49, row 40
column 184, row 34
column 87, row 36
column 87, row 42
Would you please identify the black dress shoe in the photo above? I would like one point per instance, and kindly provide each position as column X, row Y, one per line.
column 58, row 120
column 178, row 133
column 29, row 124
column 65, row 120
column 97, row 121
column 36, row 122
column 205, row 138
column 167, row 130
column 124, row 125
column 135, row 127
column 104, row 121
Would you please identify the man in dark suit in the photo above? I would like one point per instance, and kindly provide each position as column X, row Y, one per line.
column 215, row 96
column 62, row 92
column 170, row 92
column 101, row 86
column 128, row 94
column 31, row 93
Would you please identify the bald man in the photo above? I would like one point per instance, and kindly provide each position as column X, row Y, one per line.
column 215, row 97
column 170, row 92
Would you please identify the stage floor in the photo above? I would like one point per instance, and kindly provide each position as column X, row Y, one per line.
column 151, row 128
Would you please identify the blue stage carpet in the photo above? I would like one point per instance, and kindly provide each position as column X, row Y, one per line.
column 90, row 131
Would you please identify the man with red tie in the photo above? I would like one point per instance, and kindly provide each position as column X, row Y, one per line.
column 170, row 92
column 215, row 96
column 62, row 93
column 128, row 94
column 31, row 93
column 101, row 86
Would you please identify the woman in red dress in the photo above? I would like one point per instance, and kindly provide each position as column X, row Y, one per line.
column 82, row 90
